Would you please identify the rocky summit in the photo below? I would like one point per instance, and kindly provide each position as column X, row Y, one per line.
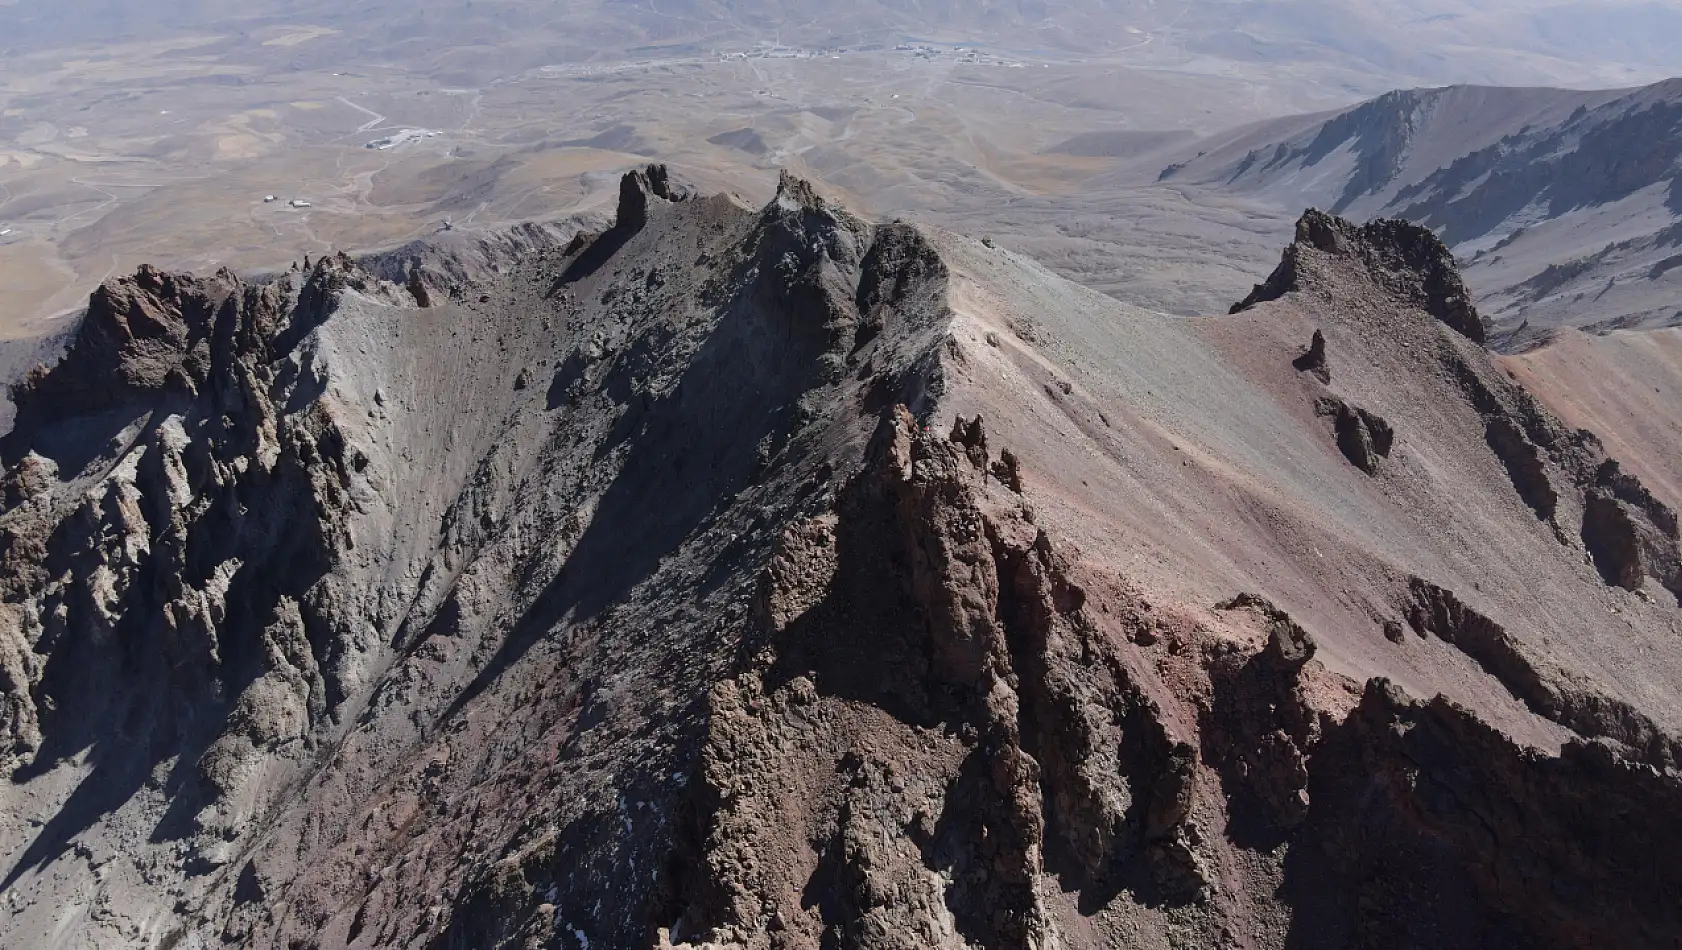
column 739, row 577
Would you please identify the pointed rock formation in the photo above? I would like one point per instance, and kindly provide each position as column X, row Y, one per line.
column 1406, row 260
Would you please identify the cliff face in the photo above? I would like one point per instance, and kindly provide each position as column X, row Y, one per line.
column 773, row 578
column 178, row 540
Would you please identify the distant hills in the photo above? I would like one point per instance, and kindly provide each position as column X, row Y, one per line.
column 1566, row 207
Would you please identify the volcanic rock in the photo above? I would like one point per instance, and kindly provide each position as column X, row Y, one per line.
column 848, row 585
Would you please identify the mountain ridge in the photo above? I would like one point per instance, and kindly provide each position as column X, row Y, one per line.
column 773, row 577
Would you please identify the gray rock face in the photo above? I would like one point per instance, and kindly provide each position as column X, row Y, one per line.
column 178, row 544
column 1363, row 438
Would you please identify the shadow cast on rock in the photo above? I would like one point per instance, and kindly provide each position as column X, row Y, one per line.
column 688, row 453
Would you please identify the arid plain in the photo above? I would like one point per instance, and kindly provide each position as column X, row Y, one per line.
column 155, row 133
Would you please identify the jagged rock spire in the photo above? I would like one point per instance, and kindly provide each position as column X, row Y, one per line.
column 637, row 188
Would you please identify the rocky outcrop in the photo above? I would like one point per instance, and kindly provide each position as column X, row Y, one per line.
column 1526, row 465
column 639, row 187
column 175, row 519
column 881, row 822
column 950, row 719
column 900, row 262
column 1563, row 476
column 1549, row 693
column 1261, row 728
column 1313, row 360
column 1372, row 812
column 1362, row 437
column 144, row 337
column 1630, row 534
column 1430, row 827
column 448, row 262
column 1407, row 261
